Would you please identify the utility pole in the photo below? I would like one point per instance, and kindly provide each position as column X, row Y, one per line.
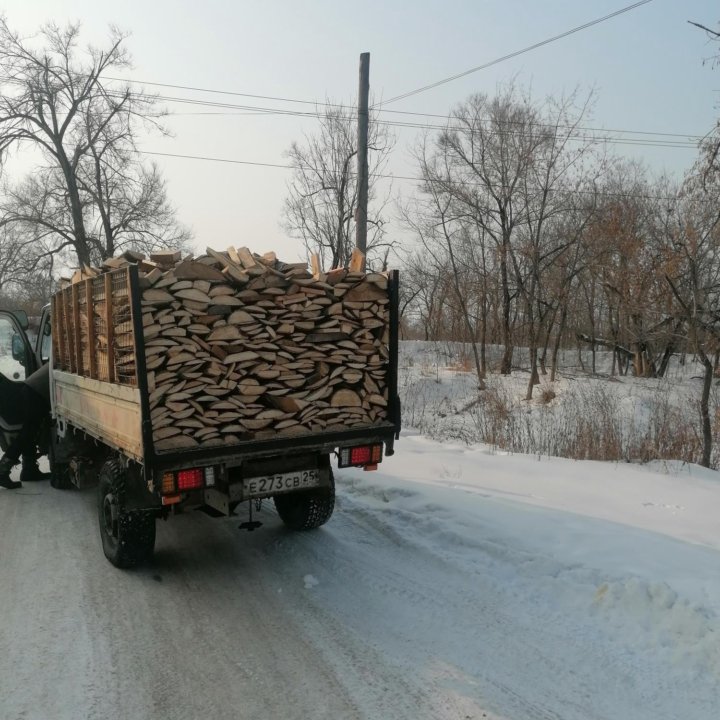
column 362, row 156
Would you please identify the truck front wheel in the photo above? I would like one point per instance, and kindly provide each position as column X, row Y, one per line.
column 128, row 536
column 307, row 509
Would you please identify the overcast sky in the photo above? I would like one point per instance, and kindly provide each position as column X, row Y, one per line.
column 646, row 66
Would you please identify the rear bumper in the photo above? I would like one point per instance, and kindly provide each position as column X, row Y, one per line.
column 251, row 452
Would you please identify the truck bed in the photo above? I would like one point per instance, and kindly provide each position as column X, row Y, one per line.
column 106, row 411
column 100, row 386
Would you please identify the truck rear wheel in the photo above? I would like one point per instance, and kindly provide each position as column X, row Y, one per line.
column 128, row 536
column 307, row 509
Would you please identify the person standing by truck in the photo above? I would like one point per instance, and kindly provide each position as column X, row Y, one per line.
column 26, row 404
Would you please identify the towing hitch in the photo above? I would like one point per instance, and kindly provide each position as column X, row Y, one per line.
column 251, row 524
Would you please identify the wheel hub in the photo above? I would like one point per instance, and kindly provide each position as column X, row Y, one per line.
column 110, row 515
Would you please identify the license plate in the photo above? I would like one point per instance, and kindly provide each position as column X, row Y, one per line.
column 281, row 482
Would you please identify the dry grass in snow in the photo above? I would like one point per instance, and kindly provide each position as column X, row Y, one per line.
column 579, row 416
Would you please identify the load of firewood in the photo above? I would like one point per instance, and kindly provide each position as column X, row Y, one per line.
column 240, row 346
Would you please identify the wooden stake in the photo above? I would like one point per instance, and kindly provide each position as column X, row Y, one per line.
column 68, row 332
column 92, row 345
column 110, row 328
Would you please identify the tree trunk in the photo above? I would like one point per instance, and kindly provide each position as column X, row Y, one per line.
column 705, row 412
column 558, row 339
column 546, row 344
column 506, row 362
column 483, row 335
column 466, row 316
column 103, row 205
column 592, row 330
column 669, row 349
column 82, row 249
column 534, row 377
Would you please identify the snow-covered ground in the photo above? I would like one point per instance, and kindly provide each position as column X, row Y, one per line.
column 584, row 415
column 596, row 585
column 458, row 581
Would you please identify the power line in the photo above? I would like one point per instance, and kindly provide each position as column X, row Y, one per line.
column 261, row 110
column 427, row 126
column 249, row 110
column 378, row 108
column 386, row 176
column 576, row 137
column 517, row 52
column 265, row 111
column 214, row 159
column 224, row 92
column 691, row 139
column 583, row 128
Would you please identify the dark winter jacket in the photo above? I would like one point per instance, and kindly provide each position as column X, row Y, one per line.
column 13, row 394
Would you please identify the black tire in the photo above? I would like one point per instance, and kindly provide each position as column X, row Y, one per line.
column 128, row 536
column 308, row 509
column 60, row 477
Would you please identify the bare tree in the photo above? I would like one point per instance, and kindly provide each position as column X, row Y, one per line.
column 25, row 283
column 55, row 100
column 14, row 261
column 482, row 157
column 30, row 295
column 130, row 206
column 711, row 143
column 555, row 174
column 565, row 272
column 503, row 174
column 434, row 222
column 421, row 295
column 692, row 269
column 322, row 195
column 713, row 35
column 627, row 300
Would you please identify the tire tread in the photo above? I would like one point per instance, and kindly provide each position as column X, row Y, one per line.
column 136, row 527
column 307, row 510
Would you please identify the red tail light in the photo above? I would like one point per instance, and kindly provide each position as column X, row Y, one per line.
column 360, row 455
column 190, row 479
column 184, row 480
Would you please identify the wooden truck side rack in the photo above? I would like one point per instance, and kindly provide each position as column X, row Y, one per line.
column 101, row 380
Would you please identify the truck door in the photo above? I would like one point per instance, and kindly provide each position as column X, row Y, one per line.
column 17, row 359
column 43, row 344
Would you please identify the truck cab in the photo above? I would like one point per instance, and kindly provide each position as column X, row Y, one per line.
column 19, row 357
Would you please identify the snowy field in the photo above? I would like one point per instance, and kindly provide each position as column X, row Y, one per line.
column 582, row 415
column 459, row 581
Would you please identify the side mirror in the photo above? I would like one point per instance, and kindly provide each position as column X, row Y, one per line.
column 18, row 349
column 22, row 318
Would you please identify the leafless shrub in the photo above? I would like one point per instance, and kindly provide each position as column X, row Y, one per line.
column 494, row 417
column 591, row 423
column 583, row 418
column 464, row 363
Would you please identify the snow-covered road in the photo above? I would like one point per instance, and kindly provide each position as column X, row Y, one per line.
column 451, row 584
column 225, row 624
